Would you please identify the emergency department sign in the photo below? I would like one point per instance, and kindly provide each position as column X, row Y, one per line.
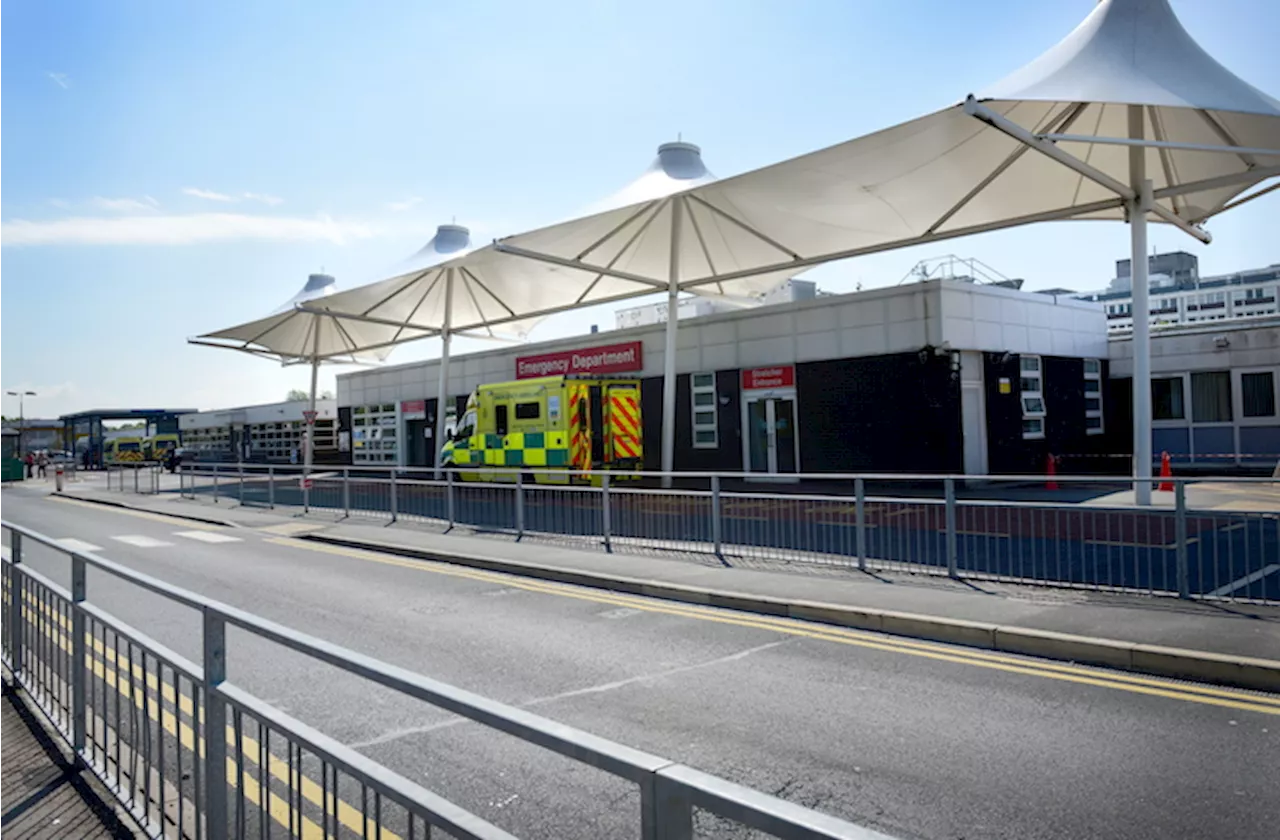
column 612, row 358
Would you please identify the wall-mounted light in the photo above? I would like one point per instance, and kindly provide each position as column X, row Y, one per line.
column 724, row 399
column 1221, row 342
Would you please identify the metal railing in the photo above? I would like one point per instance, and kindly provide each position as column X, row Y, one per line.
column 189, row 754
column 1054, row 530
column 135, row 476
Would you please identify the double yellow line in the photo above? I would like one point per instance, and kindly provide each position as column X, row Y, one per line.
column 131, row 683
column 1083, row 675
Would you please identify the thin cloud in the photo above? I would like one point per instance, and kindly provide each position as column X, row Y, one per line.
column 125, row 205
column 62, row 80
column 408, row 203
column 208, row 195
column 187, row 229
column 269, row 200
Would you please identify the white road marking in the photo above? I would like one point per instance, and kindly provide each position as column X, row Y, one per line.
column 207, row 536
column 72, row 544
column 1246, row 580
column 139, row 541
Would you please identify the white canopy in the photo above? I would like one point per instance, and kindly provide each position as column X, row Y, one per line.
column 291, row 334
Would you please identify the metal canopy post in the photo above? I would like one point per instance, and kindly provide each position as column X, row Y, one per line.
column 1141, row 312
column 442, row 391
column 309, row 427
column 669, row 353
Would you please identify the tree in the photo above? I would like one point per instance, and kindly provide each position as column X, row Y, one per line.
column 299, row 395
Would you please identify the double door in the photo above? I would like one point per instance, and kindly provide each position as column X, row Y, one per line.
column 773, row 448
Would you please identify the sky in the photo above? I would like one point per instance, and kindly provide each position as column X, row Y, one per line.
column 173, row 169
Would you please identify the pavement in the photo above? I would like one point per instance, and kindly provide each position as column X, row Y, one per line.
column 914, row 738
column 45, row 795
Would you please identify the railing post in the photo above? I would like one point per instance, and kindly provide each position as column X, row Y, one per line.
column 717, row 536
column 860, row 519
column 135, row 480
column 519, row 506
column 671, row 817
column 215, row 726
column 606, row 514
column 1180, row 538
column 215, row 484
column 182, row 484
column 346, row 492
column 271, row 486
column 78, row 653
column 395, row 502
column 17, row 602
column 952, row 548
column 240, row 469
column 448, row 498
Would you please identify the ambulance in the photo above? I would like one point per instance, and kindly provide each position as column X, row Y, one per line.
column 553, row 429
column 123, row 450
column 157, row 447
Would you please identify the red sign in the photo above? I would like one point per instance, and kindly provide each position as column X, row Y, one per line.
column 783, row 376
column 304, row 483
column 309, row 417
column 413, row 409
column 613, row 358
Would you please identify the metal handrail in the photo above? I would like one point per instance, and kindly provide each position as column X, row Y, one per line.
column 1036, row 478
column 668, row 790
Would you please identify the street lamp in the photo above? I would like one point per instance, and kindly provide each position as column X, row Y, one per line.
column 22, row 415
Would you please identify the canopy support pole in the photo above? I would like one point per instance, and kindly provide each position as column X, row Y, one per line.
column 442, row 390
column 669, row 352
column 1138, row 208
column 309, row 427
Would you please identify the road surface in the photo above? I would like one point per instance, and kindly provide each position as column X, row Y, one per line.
column 915, row 739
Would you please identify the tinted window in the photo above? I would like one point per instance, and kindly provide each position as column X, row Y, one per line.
column 528, row 410
column 1258, row 391
column 1166, row 399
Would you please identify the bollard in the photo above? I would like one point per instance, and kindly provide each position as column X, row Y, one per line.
column 57, row 479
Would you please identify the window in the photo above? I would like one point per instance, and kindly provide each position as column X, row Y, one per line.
column 1093, row 397
column 528, row 410
column 1258, row 394
column 1166, row 399
column 1031, row 388
column 702, row 387
column 1211, row 397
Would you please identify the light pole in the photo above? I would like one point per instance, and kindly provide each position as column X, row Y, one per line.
column 22, row 415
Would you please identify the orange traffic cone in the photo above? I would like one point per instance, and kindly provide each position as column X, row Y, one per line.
column 1166, row 471
column 1051, row 470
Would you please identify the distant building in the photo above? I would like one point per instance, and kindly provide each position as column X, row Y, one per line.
column 1179, row 295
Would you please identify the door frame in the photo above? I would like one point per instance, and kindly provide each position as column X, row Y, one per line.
column 755, row 395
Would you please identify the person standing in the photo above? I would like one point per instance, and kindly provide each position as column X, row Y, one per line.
column 30, row 461
column 43, row 463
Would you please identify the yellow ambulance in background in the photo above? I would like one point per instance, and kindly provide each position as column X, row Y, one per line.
column 556, row 429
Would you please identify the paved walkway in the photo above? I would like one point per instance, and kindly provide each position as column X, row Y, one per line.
column 44, row 796
column 1213, row 627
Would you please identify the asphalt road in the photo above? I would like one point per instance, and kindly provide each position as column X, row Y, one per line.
column 916, row 741
column 1235, row 553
